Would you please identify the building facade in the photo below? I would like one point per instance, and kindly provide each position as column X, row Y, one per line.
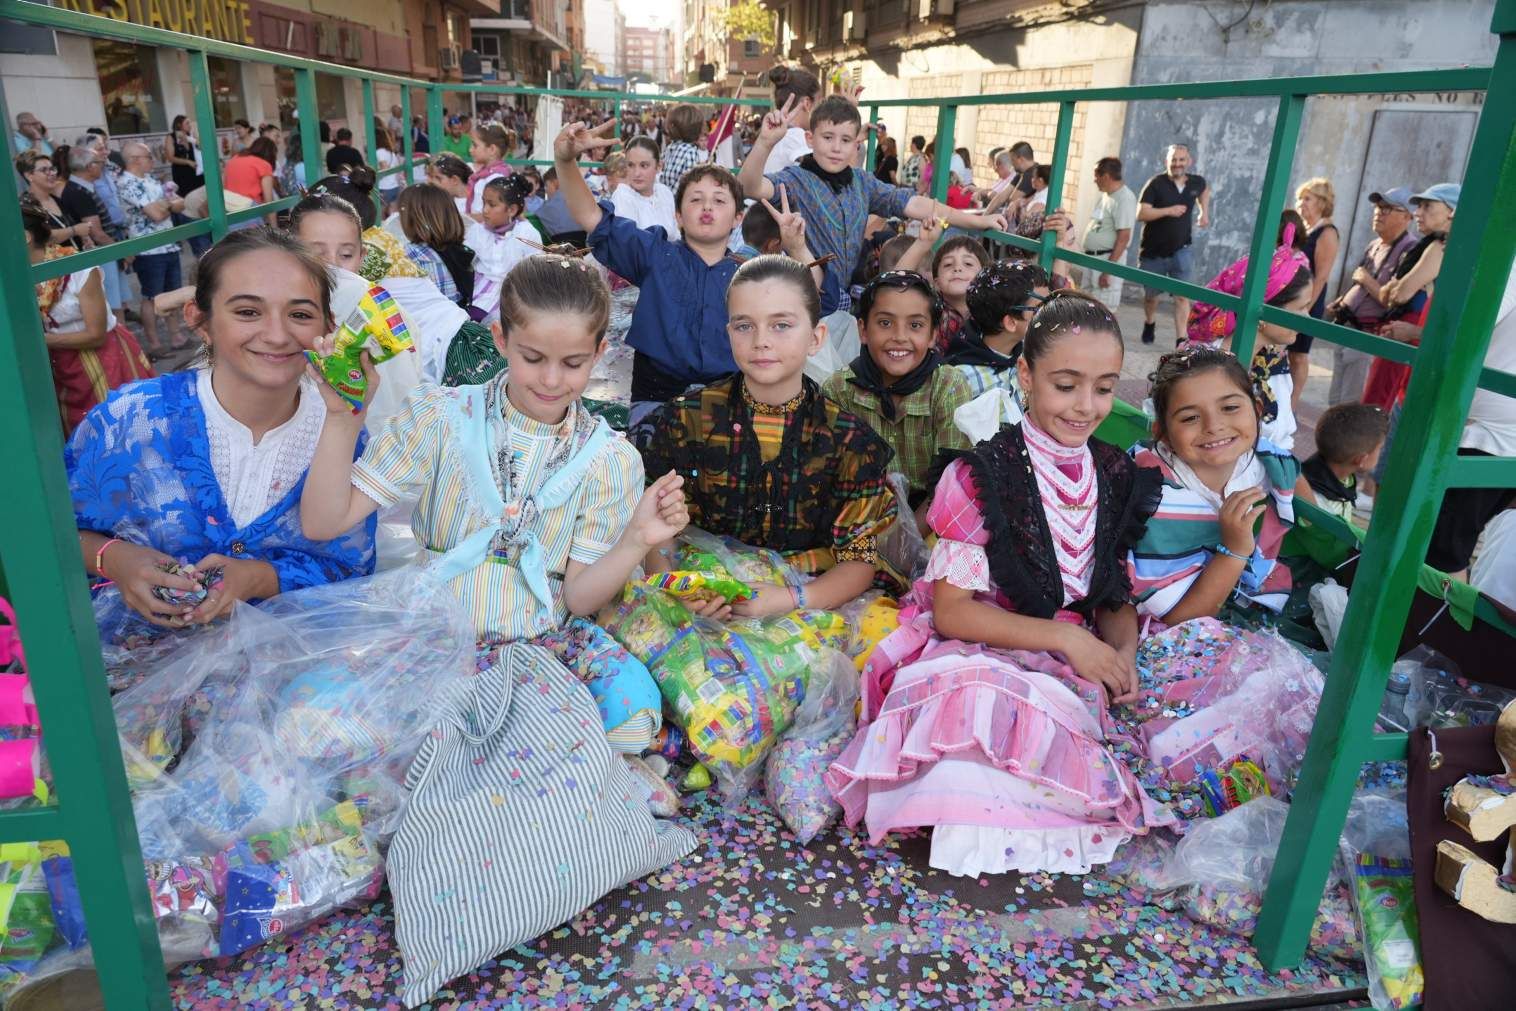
column 710, row 56
column 605, row 37
column 529, row 42
column 650, row 53
column 72, row 82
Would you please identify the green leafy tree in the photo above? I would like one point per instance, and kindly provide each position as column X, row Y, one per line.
column 748, row 20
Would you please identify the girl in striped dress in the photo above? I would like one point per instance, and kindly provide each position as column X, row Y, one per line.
column 1228, row 495
column 536, row 516
column 986, row 713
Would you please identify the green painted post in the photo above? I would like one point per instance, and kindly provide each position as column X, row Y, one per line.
column 407, row 142
column 869, row 158
column 38, row 539
column 310, row 125
column 1276, row 182
column 371, row 146
column 436, row 121
column 205, row 122
column 947, row 123
column 1469, row 289
column 1059, row 170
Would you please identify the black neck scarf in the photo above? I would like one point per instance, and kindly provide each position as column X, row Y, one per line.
column 838, row 181
column 1326, row 484
column 459, row 261
column 867, row 377
column 970, row 349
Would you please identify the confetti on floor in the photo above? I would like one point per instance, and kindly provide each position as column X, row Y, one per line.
column 752, row 919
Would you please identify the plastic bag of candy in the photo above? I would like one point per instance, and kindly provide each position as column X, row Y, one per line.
column 368, row 319
column 733, row 686
column 273, row 805
column 823, row 726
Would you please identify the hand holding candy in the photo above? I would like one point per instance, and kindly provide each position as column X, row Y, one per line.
column 241, row 579
column 338, row 406
column 138, row 573
column 1238, row 514
column 767, row 601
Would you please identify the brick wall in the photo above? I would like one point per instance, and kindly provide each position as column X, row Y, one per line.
column 922, row 120
column 1004, row 125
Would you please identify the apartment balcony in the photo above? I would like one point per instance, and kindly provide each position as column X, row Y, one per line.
column 535, row 20
column 481, row 8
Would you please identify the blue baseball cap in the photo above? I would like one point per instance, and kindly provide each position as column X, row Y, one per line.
column 1399, row 198
column 1446, row 193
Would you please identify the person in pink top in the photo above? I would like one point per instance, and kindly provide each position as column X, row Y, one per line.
column 985, row 714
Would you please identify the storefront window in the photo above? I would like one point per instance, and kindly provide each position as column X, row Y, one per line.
column 129, row 87
column 226, row 92
column 331, row 98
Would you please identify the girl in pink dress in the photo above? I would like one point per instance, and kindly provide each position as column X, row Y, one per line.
column 985, row 714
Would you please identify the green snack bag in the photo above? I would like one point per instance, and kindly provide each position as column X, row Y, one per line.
column 370, row 321
column 1391, row 945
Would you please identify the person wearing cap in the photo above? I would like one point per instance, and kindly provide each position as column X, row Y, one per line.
column 1359, row 306
column 457, row 140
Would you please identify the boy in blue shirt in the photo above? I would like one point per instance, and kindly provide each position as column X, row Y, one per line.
column 678, row 330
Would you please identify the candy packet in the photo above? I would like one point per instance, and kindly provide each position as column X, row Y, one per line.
column 369, row 320
column 209, row 580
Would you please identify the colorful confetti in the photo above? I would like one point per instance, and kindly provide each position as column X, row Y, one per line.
column 754, row 920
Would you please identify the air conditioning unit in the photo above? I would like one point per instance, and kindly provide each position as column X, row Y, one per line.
column 934, row 10
column 448, row 57
column 854, row 25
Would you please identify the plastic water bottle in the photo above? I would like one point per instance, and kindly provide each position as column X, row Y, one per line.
column 1396, row 691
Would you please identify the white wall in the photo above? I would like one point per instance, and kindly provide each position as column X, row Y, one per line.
column 63, row 91
column 600, row 41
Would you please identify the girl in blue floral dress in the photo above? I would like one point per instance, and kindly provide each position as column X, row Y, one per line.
column 192, row 480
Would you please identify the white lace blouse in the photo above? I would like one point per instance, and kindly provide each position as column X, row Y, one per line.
column 254, row 476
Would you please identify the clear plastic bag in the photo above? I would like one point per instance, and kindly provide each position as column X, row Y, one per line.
column 840, row 348
column 267, row 756
column 1375, row 849
column 1329, row 602
column 901, row 546
column 1440, row 696
column 733, row 686
column 823, row 725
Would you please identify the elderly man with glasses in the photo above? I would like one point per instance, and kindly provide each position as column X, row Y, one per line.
column 31, row 135
column 148, row 210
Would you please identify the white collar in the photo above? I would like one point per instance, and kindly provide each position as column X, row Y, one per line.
column 216, row 415
column 1248, row 472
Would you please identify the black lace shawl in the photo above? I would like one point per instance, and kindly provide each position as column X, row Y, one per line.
column 1020, row 551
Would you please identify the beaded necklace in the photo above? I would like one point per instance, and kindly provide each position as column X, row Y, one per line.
column 1066, row 481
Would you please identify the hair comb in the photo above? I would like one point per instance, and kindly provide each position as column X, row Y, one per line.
column 562, row 249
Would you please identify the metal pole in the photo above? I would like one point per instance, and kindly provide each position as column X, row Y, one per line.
column 1059, row 169
column 873, row 146
column 1457, row 333
column 310, row 125
column 1276, row 182
column 371, row 146
column 205, row 123
column 947, row 122
column 40, row 548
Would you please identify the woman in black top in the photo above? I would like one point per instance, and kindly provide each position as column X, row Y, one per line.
column 888, row 163
column 179, row 152
column 43, row 185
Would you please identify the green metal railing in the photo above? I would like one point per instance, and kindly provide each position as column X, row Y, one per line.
column 40, row 552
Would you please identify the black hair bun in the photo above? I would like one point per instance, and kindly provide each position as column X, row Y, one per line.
column 362, row 178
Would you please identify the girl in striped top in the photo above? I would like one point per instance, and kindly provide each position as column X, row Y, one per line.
column 1228, row 495
column 529, row 504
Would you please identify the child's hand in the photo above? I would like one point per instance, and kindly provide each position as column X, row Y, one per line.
column 660, row 514
column 995, row 221
column 713, row 606
column 575, row 139
column 1094, row 661
column 336, row 407
column 777, row 122
column 1058, row 221
column 241, row 579
column 791, row 224
column 767, row 601
column 136, row 570
column 1238, row 514
column 931, row 229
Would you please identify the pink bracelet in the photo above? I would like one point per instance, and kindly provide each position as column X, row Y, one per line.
column 100, row 555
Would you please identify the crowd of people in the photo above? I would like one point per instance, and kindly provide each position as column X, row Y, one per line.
column 824, row 361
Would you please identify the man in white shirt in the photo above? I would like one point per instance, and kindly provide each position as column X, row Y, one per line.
column 1489, row 431
column 1109, row 231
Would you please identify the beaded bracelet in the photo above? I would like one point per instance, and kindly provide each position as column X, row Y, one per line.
column 1222, row 549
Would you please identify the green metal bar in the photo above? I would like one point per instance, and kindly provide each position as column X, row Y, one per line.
column 407, row 149
column 259, row 211
column 1482, row 472
column 38, row 540
column 870, row 158
column 1385, row 748
column 1457, row 333
column 1058, row 170
column 1334, row 333
column 310, row 125
column 1276, row 181
column 30, row 824
column 1157, row 281
column 205, row 122
column 436, row 120
column 372, row 146
column 116, row 250
column 947, row 123
column 1503, row 383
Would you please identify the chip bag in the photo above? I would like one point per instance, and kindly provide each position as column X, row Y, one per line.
column 369, row 320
